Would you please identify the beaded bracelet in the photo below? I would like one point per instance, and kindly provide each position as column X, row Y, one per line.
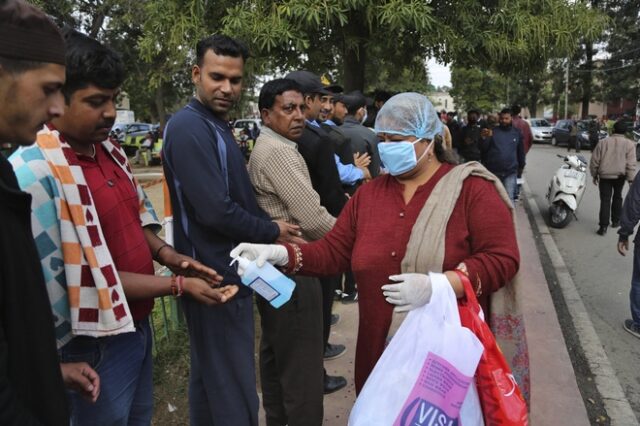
column 177, row 285
column 297, row 261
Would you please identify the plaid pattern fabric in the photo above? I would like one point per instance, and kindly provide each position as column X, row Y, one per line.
column 84, row 289
column 283, row 186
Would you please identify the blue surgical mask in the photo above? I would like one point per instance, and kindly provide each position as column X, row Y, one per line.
column 399, row 157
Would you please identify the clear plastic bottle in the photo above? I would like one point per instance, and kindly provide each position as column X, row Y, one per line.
column 267, row 281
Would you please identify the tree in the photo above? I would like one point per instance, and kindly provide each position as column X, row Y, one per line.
column 475, row 88
column 620, row 72
column 499, row 33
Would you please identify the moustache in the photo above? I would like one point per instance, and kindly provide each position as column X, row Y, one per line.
column 105, row 124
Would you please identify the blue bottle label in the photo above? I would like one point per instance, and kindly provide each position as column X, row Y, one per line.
column 264, row 289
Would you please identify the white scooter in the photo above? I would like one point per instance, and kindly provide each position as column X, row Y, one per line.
column 566, row 190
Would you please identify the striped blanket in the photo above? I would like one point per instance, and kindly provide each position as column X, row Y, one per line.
column 84, row 289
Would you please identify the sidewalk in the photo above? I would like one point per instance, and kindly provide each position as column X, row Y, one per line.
column 555, row 398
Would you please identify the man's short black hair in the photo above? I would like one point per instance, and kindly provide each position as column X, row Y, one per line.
column 221, row 45
column 90, row 62
column 505, row 111
column 515, row 109
column 381, row 95
column 451, row 114
column 273, row 88
column 620, row 127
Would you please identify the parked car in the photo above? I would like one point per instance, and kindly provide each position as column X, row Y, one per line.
column 560, row 133
column 541, row 129
column 131, row 135
column 245, row 123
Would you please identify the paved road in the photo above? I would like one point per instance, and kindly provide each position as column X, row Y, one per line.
column 601, row 275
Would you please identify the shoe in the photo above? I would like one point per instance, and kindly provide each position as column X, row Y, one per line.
column 338, row 295
column 334, row 351
column 349, row 298
column 335, row 318
column 628, row 325
column 615, row 224
column 333, row 383
column 602, row 230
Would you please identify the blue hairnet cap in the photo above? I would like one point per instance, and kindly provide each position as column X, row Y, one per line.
column 409, row 114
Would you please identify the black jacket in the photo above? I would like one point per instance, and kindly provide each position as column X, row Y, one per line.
column 363, row 141
column 340, row 142
column 316, row 148
column 31, row 388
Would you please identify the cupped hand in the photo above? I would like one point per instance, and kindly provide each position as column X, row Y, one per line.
column 203, row 292
column 80, row 377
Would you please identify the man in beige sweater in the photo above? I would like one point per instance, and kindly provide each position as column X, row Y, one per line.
column 291, row 351
column 612, row 163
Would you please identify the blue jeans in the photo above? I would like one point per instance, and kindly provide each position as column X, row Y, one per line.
column 510, row 183
column 124, row 363
column 634, row 294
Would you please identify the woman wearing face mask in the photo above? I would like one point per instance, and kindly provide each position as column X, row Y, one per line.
column 426, row 216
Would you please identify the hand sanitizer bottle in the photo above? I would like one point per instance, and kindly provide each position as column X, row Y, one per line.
column 267, row 281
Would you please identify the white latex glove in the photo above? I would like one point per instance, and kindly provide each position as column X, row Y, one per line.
column 273, row 253
column 412, row 291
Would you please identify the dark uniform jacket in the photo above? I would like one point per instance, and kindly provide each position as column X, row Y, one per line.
column 340, row 142
column 363, row 141
column 31, row 388
column 315, row 147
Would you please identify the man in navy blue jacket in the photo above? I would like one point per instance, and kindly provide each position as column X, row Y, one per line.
column 214, row 208
column 503, row 152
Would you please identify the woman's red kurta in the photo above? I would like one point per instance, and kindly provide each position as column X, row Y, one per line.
column 371, row 236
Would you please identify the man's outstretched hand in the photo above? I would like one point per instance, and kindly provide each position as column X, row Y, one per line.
column 187, row 266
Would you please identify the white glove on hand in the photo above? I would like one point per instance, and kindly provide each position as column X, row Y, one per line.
column 413, row 291
column 273, row 253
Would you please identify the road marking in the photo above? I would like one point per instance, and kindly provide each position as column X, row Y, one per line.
column 615, row 401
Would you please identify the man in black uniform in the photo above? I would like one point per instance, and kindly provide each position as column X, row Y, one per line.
column 317, row 150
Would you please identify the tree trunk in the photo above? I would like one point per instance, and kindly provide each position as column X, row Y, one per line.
column 354, row 52
column 587, row 79
column 533, row 107
column 96, row 24
column 159, row 103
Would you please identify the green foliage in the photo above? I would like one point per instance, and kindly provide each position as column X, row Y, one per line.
column 363, row 44
column 473, row 87
column 621, row 78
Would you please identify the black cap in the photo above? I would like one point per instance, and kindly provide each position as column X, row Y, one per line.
column 353, row 100
column 334, row 88
column 308, row 81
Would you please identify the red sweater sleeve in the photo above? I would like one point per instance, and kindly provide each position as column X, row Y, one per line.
column 496, row 255
column 331, row 255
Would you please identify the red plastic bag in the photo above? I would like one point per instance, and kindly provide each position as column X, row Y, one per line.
column 500, row 397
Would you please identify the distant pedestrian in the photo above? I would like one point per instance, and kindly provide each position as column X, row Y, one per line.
column 574, row 141
column 468, row 145
column 612, row 163
column 523, row 126
column 594, row 133
column 503, row 152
